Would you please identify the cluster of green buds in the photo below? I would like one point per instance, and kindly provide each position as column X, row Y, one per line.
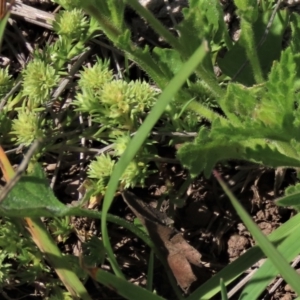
column 27, row 127
column 42, row 74
column 135, row 174
column 74, row 29
column 71, row 24
column 118, row 106
column 39, row 78
column 137, row 170
column 100, row 171
column 114, row 103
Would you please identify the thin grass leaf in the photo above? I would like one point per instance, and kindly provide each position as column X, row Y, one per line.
column 3, row 23
column 267, row 272
column 121, row 286
column 223, row 290
column 44, row 241
column 46, row 244
column 137, row 141
column 283, row 267
column 236, row 268
column 290, row 200
column 150, row 271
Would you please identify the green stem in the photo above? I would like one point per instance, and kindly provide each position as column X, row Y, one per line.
column 205, row 112
column 211, row 81
column 142, row 58
column 250, row 48
column 44, row 241
column 174, row 43
column 46, row 244
column 158, row 27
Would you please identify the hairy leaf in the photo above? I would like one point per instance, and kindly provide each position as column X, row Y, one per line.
column 32, row 196
column 270, row 156
column 295, row 45
column 291, row 198
column 198, row 24
column 168, row 59
column 240, row 102
column 204, row 153
column 267, row 53
column 281, row 85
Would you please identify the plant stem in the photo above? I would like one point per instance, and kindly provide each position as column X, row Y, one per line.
column 46, row 244
column 156, row 25
column 205, row 112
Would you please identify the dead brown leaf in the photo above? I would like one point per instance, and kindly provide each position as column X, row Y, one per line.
column 183, row 259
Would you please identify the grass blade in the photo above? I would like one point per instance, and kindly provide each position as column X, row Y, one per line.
column 283, row 267
column 122, row 286
column 236, row 268
column 223, row 290
column 3, row 22
column 45, row 243
column 137, row 141
column 150, row 271
column 267, row 272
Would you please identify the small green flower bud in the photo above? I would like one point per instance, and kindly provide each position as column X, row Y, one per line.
column 101, row 169
column 114, row 95
column 120, row 144
column 92, row 79
column 135, row 174
column 127, row 100
column 141, row 95
column 71, row 24
column 87, row 102
column 38, row 81
column 27, row 128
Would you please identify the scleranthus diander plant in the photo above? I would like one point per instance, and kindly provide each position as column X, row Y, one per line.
column 113, row 103
column 39, row 79
column 71, row 24
column 29, row 124
column 6, row 82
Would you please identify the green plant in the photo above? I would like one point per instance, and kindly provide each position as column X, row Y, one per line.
column 261, row 126
column 253, row 115
column 6, row 82
column 264, row 98
column 17, row 248
column 39, row 79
